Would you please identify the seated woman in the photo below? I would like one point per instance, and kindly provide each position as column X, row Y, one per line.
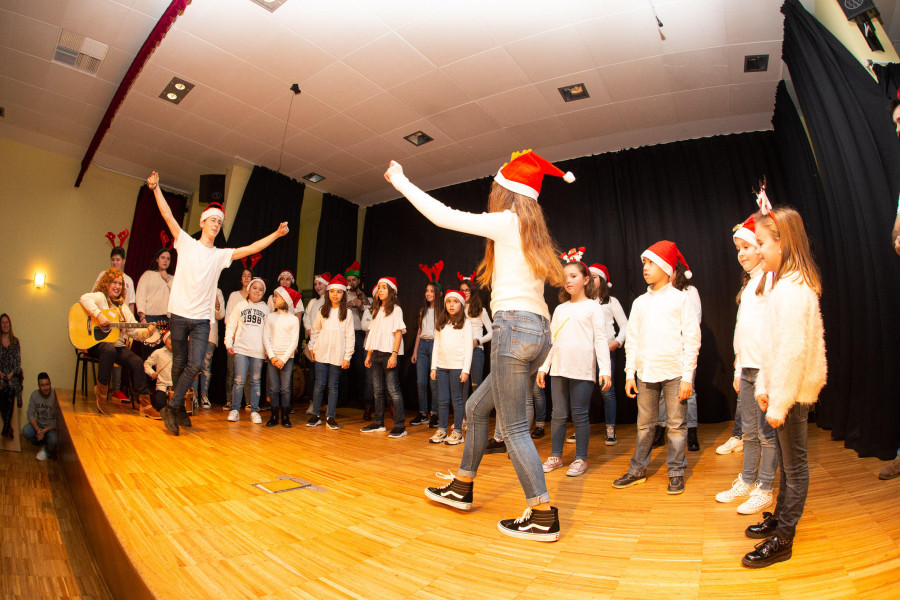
column 108, row 293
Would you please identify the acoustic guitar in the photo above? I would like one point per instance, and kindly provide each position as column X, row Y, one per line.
column 85, row 331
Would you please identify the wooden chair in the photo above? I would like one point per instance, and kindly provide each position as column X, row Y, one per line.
column 82, row 360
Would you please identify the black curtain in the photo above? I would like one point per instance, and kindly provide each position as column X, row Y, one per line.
column 888, row 78
column 336, row 237
column 858, row 156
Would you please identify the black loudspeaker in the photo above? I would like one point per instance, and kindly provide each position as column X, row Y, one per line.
column 212, row 189
column 854, row 8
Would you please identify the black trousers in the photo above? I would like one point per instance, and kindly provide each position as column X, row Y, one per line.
column 108, row 354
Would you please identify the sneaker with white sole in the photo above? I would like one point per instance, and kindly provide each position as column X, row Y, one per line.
column 454, row 438
column 570, row 439
column 733, row 444
column 537, row 525
column 397, row 432
column 42, row 454
column 439, row 436
column 234, row 415
column 332, row 424
column 457, row 494
column 314, row 421
column 204, row 402
column 578, row 467
column 758, row 500
column 373, row 427
column 739, row 489
column 255, row 418
column 552, row 463
column 611, row 435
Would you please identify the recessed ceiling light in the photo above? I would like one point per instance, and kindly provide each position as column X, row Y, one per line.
column 756, row 63
column 269, row 5
column 570, row 93
column 418, row 138
column 176, row 90
column 179, row 86
column 313, row 177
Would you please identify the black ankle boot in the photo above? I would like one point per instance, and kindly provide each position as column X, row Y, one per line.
column 769, row 552
column 285, row 418
column 763, row 529
column 273, row 419
column 659, row 437
column 693, row 444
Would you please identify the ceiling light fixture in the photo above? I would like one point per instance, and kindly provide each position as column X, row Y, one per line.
column 176, row 90
column 570, row 93
column 269, row 5
column 418, row 138
column 313, row 177
column 756, row 63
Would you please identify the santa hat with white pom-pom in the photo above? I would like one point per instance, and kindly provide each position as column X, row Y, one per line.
column 602, row 271
column 524, row 173
column 666, row 256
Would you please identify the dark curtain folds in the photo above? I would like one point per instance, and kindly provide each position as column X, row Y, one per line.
column 888, row 78
column 859, row 158
column 146, row 226
column 336, row 237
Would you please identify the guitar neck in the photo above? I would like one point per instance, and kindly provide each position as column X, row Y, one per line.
column 130, row 325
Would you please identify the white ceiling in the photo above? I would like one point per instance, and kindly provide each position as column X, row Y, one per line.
column 480, row 77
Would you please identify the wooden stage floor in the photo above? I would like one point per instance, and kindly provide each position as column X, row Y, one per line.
column 191, row 523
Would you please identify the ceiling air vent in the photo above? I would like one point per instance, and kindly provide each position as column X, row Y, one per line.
column 79, row 52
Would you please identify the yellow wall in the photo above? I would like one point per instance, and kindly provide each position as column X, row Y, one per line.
column 310, row 214
column 829, row 14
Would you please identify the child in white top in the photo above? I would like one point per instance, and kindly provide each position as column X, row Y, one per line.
column 791, row 374
column 384, row 344
column 320, row 286
column 281, row 333
column 158, row 368
column 615, row 317
column 450, row 364
column 331, row 343
column 661, row 349
column 233, row 299
column 579, row 327
column 421, row 354
column 244, row 341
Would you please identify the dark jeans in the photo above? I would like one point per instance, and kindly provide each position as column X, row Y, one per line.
column 159, row 399
column 476, row 371
column 450, row 390
column 363, row 392
column 49, row 440
column 186, row 360
column 790, row 440
column 574, row 393
column 382, row 376
column 279, row 383
column 424, row 382
column 107, row 354
column 609, row 396
column 327, row 375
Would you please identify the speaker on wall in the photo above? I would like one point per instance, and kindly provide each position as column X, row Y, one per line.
column 212, row 189
column 854, row 8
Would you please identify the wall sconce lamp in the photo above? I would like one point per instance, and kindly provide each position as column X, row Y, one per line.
column 39, row 279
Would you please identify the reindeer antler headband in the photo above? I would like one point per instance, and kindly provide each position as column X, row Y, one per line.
column 433, row 272
column 123, row 235
column 253, row 260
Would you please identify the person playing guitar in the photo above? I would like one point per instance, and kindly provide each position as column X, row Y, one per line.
column 109, row 294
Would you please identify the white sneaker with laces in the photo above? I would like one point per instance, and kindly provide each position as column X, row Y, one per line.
column 255, row 418
column 234, row 415
column 42, row 454
column 454, row 438
column 733, row 444
column 439, row 436
column 758, row 500
column 554, row 462
column 739, row 489
column 578, row 467
column 204, row 402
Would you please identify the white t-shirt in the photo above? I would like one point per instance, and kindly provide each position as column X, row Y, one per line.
column 382, row 329
column 194, row 287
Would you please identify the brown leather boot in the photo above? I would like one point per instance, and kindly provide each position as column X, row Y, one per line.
column 147, row 409
column 101, row 392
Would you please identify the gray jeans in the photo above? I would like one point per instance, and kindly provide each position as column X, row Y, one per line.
column 790, row 440
column 760, row 457
column 648, row 415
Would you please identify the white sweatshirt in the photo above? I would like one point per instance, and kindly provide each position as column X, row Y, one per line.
column 663, row 338
column 614, row 313
column 312, row 309
column 152, row 293
column 480, row 324
column 244, row 329
column 748, row 327
column 281, row 333
column 579, row 341
column 331, row 339
column 514, row 286
column 453, row 348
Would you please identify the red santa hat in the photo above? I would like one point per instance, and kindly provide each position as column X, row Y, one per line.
column 666, row 255
column 166, row 336
column 602, row 271
column 291, row 296
column 213, row 209
column 747, row 231
column 286, row 272
column 455, row 294
column 391, row 281
column 338, row 283
column 254, row 280
column 323, row 277
column 524, row 173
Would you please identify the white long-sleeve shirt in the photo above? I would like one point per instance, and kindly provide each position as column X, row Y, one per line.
column 480, row 324
column 331, row 339
column 663, row 338
column 312, row 308
column 382, row 329
column 514, row 286
column 298, row 310
column 615, row 314
column 281, row 333
column 160, row 362
column 748, row 327
column 233, row 299
column 244, row 329
column 579, row 341
column 152, row 293
column 219, row 315
column 453, row 348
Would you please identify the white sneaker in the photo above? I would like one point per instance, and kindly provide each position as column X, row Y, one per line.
column 255, row 418
column 454, row 438
column 759, row 499
column 570, row 439
column 234, row 415
column 578, row 467
column 42, row 454
column 439, row 436
column 739, row 489
column 734, row 444
column 554, row 462
column 204, row 402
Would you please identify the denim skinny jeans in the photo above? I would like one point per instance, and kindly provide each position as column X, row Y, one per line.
column 383, row 377
column 760, row 457
column 327, row 375
column 279, row 383
column 245, row 366
column 574, row 393
column 424, row 382
column 186, row 360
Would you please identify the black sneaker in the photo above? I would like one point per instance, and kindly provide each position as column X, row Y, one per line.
column 537, row 525
column 168, row 416
column 538, row 433
column 676, row 485
column 372, row 427
column 181, row 417
column 693, row 444
column 769, row 552
column 659, row 437
column 457, row 494
column 397, row 432
column 420, row 419
column 628, row 480
column 611, row 437
column 762, row 530
column 314, row 421
column 433, row 422
column 332, row 424
column 495, row 447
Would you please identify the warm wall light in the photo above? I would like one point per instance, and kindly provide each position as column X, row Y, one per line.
column 39, row 279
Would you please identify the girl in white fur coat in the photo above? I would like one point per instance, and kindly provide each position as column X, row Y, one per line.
column 792, row 372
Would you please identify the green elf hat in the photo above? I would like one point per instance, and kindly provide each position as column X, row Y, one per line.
column 352, row 270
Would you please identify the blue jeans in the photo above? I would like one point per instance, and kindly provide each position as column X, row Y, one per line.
column 450, row 388
column 760, row 457
column 279, row 383
column 326, row 375
column 359, row 374
column 186, row 360
column 537, row 405
column 381, row 377
column 577, row 393
column 49, row 440
column 202, row 379
column 243, row 364
column 423, row 376
column 609, row 396
column 691, row 416
column 521, row 341
column 476, row 371
column 648, row 416
column 790, row 441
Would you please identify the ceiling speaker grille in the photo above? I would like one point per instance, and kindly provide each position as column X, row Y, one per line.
column 81, row 53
